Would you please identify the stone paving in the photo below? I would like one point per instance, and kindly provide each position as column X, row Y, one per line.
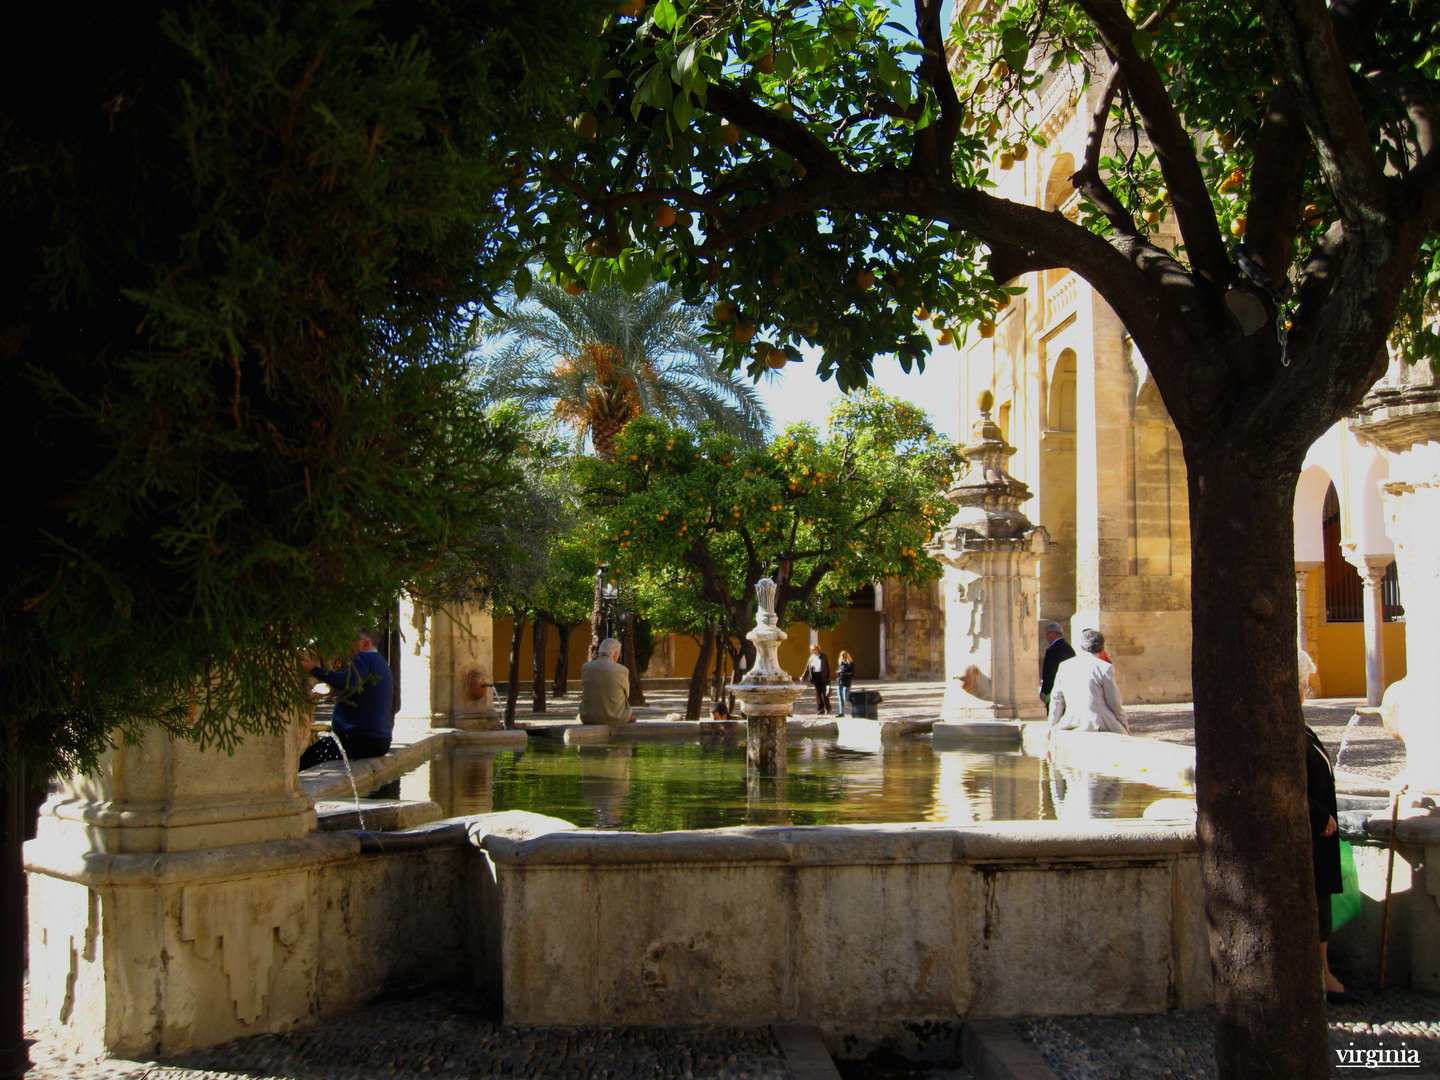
column 448, row 1035
column 1179, row 1045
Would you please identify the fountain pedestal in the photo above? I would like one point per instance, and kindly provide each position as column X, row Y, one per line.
column 991, row 553
column 768, row 693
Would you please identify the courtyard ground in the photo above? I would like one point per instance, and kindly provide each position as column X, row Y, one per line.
column 447, row 1035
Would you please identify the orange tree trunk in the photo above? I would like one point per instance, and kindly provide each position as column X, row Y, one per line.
column 1250, row 770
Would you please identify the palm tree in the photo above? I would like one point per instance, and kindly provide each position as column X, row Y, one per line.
column 598, row 360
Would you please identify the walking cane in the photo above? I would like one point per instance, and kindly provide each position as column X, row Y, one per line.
column 1389, row 879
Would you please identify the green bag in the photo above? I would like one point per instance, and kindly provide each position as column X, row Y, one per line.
column 1345, row 905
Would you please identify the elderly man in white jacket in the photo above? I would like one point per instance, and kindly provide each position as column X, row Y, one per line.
column 1085, row 697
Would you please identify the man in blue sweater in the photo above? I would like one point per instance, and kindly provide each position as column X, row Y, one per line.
column 364, row 717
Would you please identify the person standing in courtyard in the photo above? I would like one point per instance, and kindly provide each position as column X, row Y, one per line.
column 605, row 687
column 844, row 673
column 364, row 717
column 1325, row 849
column 1084, row 696
column 1057, row 651
column 817, row 673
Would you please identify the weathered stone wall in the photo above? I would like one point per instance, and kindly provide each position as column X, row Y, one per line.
column 914, row 623
column 857, row 929
column 148, row 957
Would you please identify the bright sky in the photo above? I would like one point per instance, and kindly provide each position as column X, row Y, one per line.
column 796, row 393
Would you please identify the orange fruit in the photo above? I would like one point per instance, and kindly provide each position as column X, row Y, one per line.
column 665, row 215
column 766, row 64
column 724, row 311
column 586, row 126
column 574, row 288
column 1237, row 227
column 729, row 134
column 865, row 278
column 744, row 332
column 987, row 328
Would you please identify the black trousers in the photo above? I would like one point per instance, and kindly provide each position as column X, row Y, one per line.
column 822, row 697
column 356, row 746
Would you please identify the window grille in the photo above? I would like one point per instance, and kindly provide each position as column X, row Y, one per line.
column 1344, row 587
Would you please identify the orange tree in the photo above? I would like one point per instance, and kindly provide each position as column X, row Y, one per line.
column 819, row 515
column 835, row 156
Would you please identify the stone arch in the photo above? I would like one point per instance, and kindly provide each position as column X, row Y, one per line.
column 1367, row 513
column 1309, row 503
column 1062, row 389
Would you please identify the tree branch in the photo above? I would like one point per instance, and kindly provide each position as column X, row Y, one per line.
column 1174, row 147
column 1305, row 45
column 1277, row 183
column 778, row 130
column 1417, row 109
column 1087, row 178
column 935, row 71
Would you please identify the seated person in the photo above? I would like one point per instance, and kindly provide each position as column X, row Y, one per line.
column 364, row 717
column 605, row 688
column 1084, row 697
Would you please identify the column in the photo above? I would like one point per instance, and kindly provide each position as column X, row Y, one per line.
column 1372, row 571
column 1302, row 623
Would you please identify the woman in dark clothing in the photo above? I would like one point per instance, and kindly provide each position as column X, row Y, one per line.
column 1325, row 845
column 843, row 674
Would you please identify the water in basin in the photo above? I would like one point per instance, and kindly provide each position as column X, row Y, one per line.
column 662, row 786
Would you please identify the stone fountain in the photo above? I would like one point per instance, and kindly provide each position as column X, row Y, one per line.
column 990, row 551
column 768, row 693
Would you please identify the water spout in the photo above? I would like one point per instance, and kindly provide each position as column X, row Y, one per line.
column 359, row 817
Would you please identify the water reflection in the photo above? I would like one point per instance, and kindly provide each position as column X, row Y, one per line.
column 655, row 787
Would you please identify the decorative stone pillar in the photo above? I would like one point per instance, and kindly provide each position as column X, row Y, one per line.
column 446, row 667
column 174, row 898
column 1402, row 417
column 1372, row 571
column 768, row 693
column 991, row 553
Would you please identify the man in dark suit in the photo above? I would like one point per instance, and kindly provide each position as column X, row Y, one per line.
column 1057, row 651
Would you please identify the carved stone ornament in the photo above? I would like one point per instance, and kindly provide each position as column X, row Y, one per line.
column 243, row 919
column 987, row 500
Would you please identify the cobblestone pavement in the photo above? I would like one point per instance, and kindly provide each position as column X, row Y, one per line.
column 1179, row 1045
column 446, row 1035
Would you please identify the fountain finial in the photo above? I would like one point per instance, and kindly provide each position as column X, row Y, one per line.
column 986, row 401
column 765, row 592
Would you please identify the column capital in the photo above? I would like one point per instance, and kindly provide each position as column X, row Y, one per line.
column 1303, row 567
column 1371, row 567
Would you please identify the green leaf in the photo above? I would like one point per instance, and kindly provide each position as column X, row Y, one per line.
column 684, row 63
column 1144, row 43
column 662, row 90
column 665, row 16
column 521, row 282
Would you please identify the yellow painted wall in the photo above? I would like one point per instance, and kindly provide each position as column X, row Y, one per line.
column 579, row 646
column 1340, row 649
column 859, row 633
